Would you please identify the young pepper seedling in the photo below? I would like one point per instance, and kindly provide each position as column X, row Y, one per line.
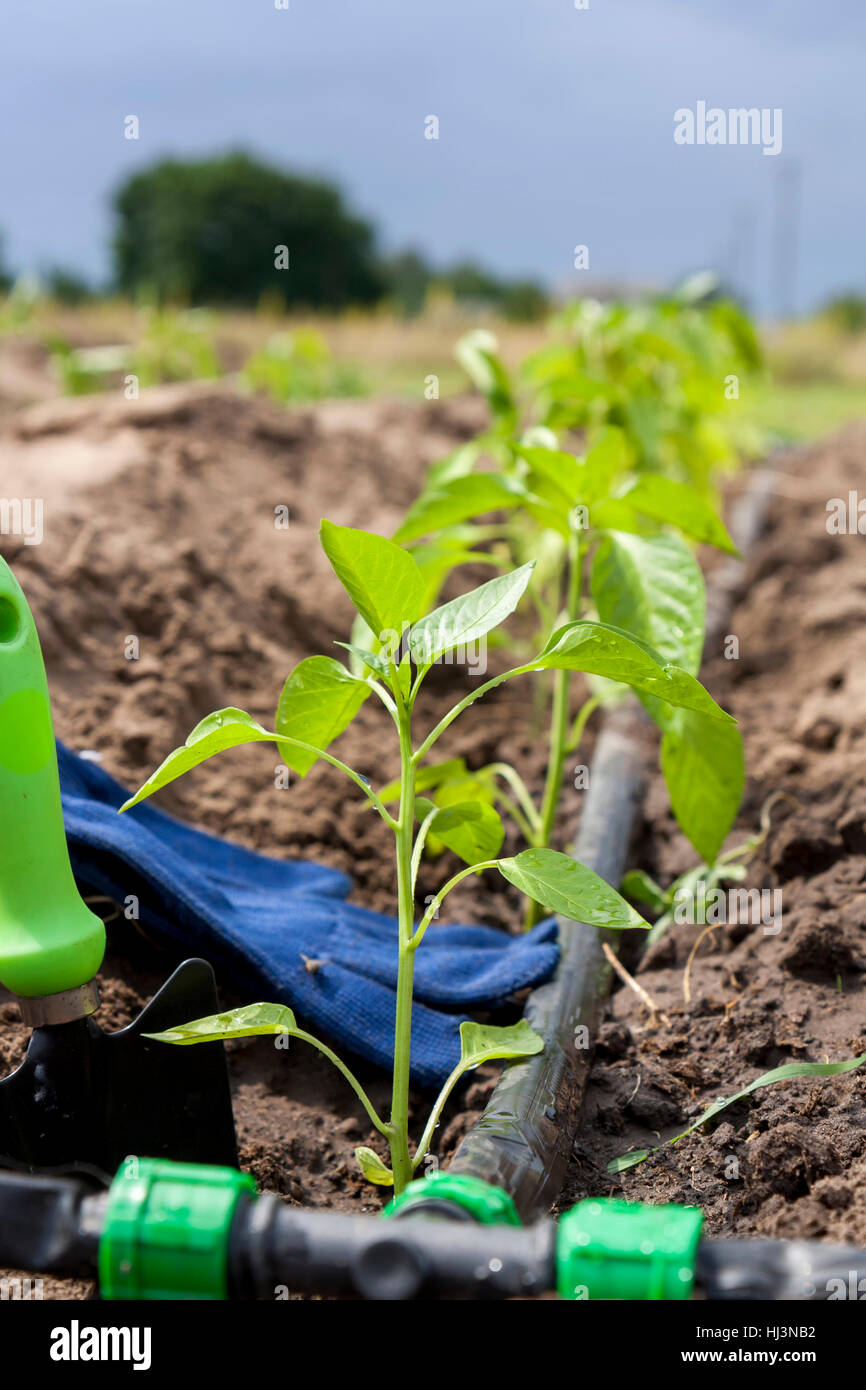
column 321, row 698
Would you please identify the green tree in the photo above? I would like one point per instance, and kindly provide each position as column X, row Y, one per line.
column 5, row 273
column 67, row 286
column 519, row 300
column 473, row 284
column 210, row 231
column 523, row 301
column 847, row 312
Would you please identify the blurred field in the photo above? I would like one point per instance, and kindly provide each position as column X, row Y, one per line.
column 816, row 379
column 814, row 382
column 801, row 413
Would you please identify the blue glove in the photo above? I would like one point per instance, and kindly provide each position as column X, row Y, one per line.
column 258, row 918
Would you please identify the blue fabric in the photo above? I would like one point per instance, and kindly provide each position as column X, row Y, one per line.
column 253, row 917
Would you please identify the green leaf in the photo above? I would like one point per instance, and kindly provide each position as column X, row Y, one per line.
column 788, row 1072
column 704, row 768
column 615, row 514
column 605, row 460
column 548, row 504
column 645, row 416
column 548, row 509
column 250, row 1021
column 638, row 885
column 469, row 617
column 459, row 500
column 457, row 464
column 678, row 504
column 482, row 1042
column 471, row 829
column 438, row 558
column 364, row 660
column 381, row 579
column 361, row 640
column 404, row 675
column 478, row 354
column 565, row 471
column 652, row 586
column 373, row 1168
column 225, row 728
column 555, row 487
column 564, row 886
column 431, row 775
column 604, row 650
column 612, row 693
column 319, row 700
column 539, row 437
column 684, row 692
column 600, row 644
column 730, row 318
column 453, row 786
column 472, row 786
column 566, row 481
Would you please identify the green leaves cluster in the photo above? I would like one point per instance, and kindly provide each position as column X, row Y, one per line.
column 658, row 370
column 650, row 595
column 644, row 385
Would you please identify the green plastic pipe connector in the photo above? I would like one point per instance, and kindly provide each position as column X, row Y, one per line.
column 50, row 941
column 610, row 1249
column 486, row 1203
column 166, row 1230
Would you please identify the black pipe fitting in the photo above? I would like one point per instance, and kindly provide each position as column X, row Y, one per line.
column 275, row 1248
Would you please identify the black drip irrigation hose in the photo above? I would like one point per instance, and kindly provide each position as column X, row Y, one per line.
column 748, row 518
column 524, row 1139
column 256, row 1247
column 807, row 1271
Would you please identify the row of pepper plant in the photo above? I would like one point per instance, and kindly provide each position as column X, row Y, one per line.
column 645, row 398
column 642, row 634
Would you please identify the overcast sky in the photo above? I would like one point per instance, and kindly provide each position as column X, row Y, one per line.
column 555, row 125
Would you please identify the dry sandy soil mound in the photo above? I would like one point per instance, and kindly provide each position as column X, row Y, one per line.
column 159, row 525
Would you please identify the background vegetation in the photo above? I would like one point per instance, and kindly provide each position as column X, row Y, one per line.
column 195, row 292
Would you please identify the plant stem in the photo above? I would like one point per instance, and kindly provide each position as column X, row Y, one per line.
column 440, row 897
column 352, row 1079
column 587, row 709
column 416, row 684
column 383, row 695
column 401, row 1162
column 558, row 723
column 520, row 789
column 342, row 767
column 465, row 703
column 430, row 1129
column 526, row 830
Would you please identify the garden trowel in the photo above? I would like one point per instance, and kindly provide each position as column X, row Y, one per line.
column 82, row 1098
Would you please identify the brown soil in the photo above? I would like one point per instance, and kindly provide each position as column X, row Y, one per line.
column 159, row 524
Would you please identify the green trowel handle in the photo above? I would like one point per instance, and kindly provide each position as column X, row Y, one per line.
column 49, row 939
